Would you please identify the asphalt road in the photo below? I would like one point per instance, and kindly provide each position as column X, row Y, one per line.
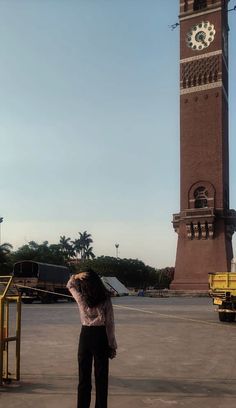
column 172, row 352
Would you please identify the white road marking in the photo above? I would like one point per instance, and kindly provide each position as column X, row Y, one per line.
column 177, row 317
column 135, row 309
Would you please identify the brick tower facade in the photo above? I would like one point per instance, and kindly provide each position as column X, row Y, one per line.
column 205, row 223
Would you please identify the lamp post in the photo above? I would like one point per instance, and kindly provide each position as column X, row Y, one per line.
column 1, row 220
column 117, row 246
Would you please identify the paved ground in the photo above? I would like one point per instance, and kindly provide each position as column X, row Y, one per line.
column 172, row 352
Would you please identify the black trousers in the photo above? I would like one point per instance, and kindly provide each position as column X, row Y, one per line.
column 93, row 345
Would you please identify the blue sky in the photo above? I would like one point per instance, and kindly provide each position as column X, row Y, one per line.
column 89, row 123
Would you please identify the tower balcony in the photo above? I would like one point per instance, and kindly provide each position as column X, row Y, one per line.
column 200, row 222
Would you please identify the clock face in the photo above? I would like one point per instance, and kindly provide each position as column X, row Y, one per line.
column 200, row 36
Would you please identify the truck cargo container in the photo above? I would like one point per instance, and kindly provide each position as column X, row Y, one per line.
column 36, row 279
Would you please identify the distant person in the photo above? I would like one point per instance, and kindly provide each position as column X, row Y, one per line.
column 97, row 338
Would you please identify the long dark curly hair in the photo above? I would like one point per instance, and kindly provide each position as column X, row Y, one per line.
column 92, row 289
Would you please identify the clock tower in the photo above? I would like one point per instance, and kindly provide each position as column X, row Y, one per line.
column 205, row 224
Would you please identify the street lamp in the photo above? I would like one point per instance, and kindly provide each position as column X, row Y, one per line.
column 117, row 246
column 1, row 220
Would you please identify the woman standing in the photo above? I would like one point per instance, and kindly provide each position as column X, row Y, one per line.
column 97, row 338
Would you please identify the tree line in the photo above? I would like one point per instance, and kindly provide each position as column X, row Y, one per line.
column 78, row 253
column 59, row 254
column 131, row 272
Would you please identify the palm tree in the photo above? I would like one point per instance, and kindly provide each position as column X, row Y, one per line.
column 76, row 247
column 85, row 241
column 85, row 238
column 88, row 253
column 82, row 245
column 66, row 247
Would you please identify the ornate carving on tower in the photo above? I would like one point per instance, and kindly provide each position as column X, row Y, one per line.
column 205, row 223
column 201, row 72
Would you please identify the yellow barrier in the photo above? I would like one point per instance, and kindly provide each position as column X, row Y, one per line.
column 9, row 295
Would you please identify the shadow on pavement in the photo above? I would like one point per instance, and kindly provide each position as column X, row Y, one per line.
column 211, row 387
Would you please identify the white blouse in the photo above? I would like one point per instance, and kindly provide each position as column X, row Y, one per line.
column 100, row 315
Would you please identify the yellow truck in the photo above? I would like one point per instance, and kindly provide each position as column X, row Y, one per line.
column 222, row 289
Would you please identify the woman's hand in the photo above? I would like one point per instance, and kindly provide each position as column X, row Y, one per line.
column 112, row 353
column 81, row 275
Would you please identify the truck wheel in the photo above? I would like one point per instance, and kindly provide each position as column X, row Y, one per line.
column 230, row 317
column 27, row 301
column 46, row 299
column 26, row 298
column 223, row 316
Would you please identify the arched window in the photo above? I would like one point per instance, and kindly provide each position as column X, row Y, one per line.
column 185, row 5
column 201, row 197
column 199, row 4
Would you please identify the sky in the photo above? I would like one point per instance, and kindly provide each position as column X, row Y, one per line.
column 89, row 124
